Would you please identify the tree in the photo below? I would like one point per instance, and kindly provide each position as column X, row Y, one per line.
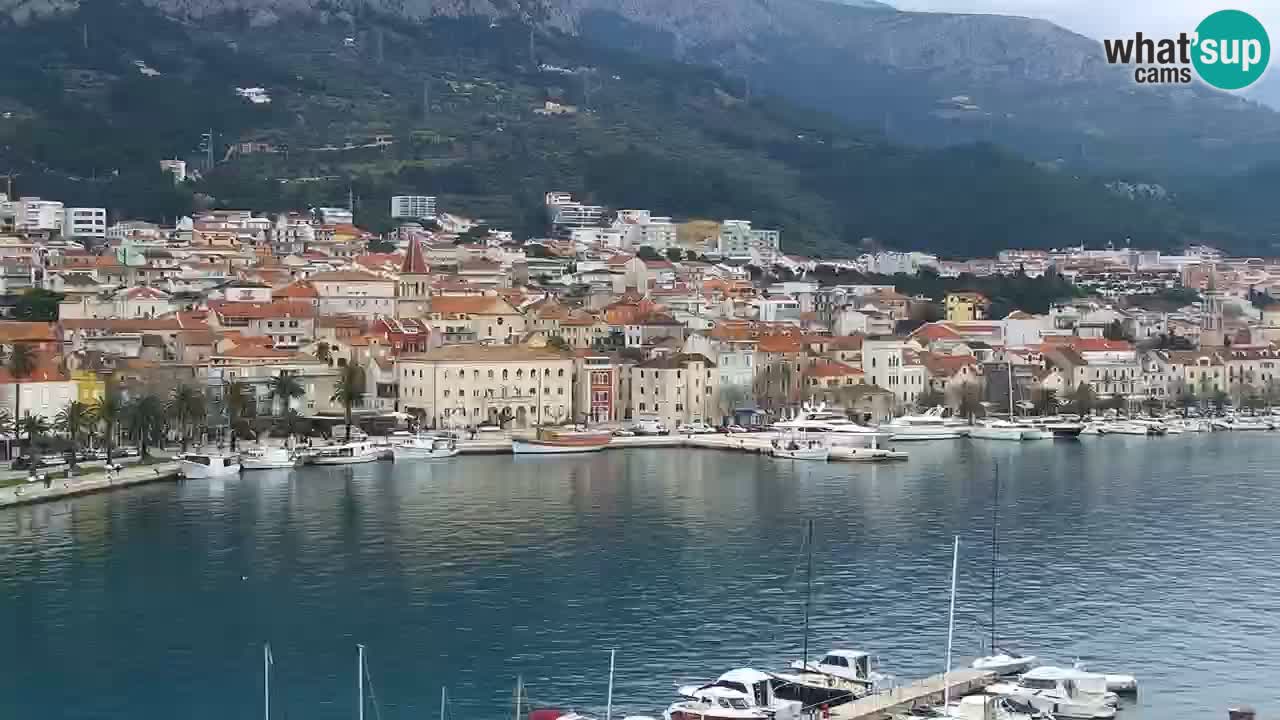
column 1083, row 400
column 647, row 253
column 1220, row 400
column 187, row 407
column 970, row 405
column 1186, row 400
column 285, row 387
column 1046, row 401
column 324, row 353
column 21, row 363
column 144, row 421
column 35, row 426
column 1115, row 331
column 239, row 401
column 931, row 398
column 76, row 420
column 1152, row 405
column 293, row 424
column 674, row 254
column 557, row 342
column 349, row 391
column 109, row 412
column 37, row 305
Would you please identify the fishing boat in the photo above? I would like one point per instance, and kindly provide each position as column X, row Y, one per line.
column 799, row 449
column 424, row 446
column 546, row 441
column 268, row 458
column 347, row 454
column 208, row 464
column 999, row 662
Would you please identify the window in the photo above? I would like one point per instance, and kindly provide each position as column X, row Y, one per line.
column 446, row 393
column 560, row 373
column 533, row 391
column 519, row 374
column 490, row 374
column 560, row 391
column 504, row 373
column 641, row 407
column 679, row 407
column 475, row 374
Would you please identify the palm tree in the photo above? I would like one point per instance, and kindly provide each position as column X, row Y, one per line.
column 970, row 403
column 75, row 421
column 109, row 412
column 35, row 426
column 349, row 390
column 292, row 423
column 187, row 407
column 286, row 387
column 144, row 421
column 21, row 363
column 324, row 353
column 1046, row 401
column 240, row 405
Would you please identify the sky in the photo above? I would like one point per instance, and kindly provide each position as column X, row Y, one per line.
column 1122, row 18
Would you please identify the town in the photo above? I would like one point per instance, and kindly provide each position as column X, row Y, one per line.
column 617, row 316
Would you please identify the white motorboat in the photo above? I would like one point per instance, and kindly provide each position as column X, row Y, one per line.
column 1242, row 424
column 1124, row 427
column 1005, row 664
column 268, row 458
column 1065, row 692
column 997, row 430
column 1064, row 428
column 742, row 694
column 933, row 424
column 859, row 454
column 987, row 707
column 424, row 447
column 846, row 672
column 1092, row 428
column 1119, row 684
column 208, row 464
column 799, row 448
column 817, row 419
column 1153, row 426
column 1036, row 433
column 346, row 454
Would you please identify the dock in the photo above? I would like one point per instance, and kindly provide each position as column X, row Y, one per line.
column 928, row 691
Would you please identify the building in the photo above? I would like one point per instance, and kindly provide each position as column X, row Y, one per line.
column 738, row 240
column 350, row 292
column 83, row 223
column 469, row 318
column 177, row 168
column 464, row 385
column 31, row 214
column 567, row 214
column 413, row 207
column 891, row 365
column 966, row 306
column 676, row 389
column 597, row 388
column 43, row 393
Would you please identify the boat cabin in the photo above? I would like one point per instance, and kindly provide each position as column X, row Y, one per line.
column 847, row 664
column 1068, row 682
column 213, row 462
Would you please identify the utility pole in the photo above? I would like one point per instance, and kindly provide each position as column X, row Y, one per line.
column 377, row 39
column 351, row 199
column 84, row 35
column 426, row 99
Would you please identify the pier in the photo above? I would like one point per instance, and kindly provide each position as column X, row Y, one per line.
column 928, row 691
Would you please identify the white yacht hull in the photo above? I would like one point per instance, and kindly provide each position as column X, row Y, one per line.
column 528, row 447
column 818, row 453
column 344, row 459
column 849, row 454
column 912, row 434
column 1037, row 434
column 404, row 453
column 989, row 433
column 266, row 464
column 1004, row 664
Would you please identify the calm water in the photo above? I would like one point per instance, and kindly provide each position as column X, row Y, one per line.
column 1159, row 557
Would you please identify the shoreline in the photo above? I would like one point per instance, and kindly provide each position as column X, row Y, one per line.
column 36, row 492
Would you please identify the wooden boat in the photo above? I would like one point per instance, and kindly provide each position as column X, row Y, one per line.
column 547, row 441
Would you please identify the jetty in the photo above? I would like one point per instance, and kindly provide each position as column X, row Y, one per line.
column 928, row 691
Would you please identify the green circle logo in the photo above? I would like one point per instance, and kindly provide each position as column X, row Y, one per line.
column 1232, row 49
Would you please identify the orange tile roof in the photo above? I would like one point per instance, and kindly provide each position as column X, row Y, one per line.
column 300, row 289
column 261, row 311
column 831, row 368
column 17, row 331
column 471, row 305
column 345, row 276
column 946, row 365
column 935, row 331
column 779, row 344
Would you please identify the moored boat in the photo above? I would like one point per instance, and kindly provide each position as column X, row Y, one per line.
column 347, row 454
column 208, row 464
column 424, row 446
column 268, row 458
column 1065, row 692
column 742, row 694
column 547, row 441
column 997, row 430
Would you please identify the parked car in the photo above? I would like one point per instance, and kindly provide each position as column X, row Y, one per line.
column 734, row 428
column 125, row 451
column 623, row 432
column 648, row 427
column 696, row 428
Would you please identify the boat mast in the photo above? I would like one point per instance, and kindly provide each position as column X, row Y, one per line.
column 951, row 624
column 1010, row 367
column 608, row 707
column 266, row 681
column 808, row 597
column 519, row 691
column 995, row 554
column 442, row 701
column 360, row 681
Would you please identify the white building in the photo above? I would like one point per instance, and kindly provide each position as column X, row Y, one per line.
column 739, row 240
column 84, row 223
column 892, row 366
column 334, row 216
column 567, row 213
column 906, row 263
column 177, row 168
column 34, row 214
column 412, row 207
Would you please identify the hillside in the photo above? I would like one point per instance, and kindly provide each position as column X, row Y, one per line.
column 86, row 124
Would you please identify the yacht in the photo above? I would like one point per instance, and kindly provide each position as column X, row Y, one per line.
column 267, row 458
column 987, row 707
column 1124, row 427
column 1005, row 664
column 1036, row 432
column 742, row 694
column 1063, row 428
column 1242, row 424
column 997, row 430
column 933, row 424
column 424, row 446
column 837, row 678
column 547, row 441
column 1065, row 692
column 346, row 454
column 817, row 419
column 208, row 464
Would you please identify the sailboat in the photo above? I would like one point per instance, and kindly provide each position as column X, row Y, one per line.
column 1001, row 663
column 840, row 676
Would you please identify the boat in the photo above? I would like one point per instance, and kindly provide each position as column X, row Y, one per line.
column 268, row 458
column 424, row 446
column 1033, row 432
column 742, row 694
column 546, row 441
column 999, row 662
column 346, row 454
column 860, row 454
column 1119, row 684
column 1092, row 428
column 208, row 464
column 997, row 430
column 1246, row 424
column 1064, row 428
column 988, row 707
column 793, row 449
column 1124, row 427
column 933, row 424
column 817, row 419
column 1064, row 692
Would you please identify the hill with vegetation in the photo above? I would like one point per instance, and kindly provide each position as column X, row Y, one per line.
column 376, row 105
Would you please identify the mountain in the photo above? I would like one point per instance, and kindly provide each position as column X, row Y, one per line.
column 375, row 104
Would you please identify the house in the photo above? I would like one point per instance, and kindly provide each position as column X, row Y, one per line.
column 962, row 306
column 598, row 387
column 42, row 337
column 890, row 364
column 952, row 375
column 43, row 393
column 469, row 318
column 676, row 389
column 288, row 324
column 353, row 292
column 828, row 381
column 459, row 386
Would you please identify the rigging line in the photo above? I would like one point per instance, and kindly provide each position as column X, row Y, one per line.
column 377, row 709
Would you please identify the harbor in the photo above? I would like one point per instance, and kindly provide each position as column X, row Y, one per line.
column 468, row 573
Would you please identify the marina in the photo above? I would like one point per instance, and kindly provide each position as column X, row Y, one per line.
column 427, row 563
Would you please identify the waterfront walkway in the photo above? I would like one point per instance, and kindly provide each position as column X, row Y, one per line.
column 929, row 691
column 40, row 491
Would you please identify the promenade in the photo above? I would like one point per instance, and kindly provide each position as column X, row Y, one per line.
column 22, row 492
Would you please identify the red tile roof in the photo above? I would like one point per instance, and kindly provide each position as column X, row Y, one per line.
column 415, row 261
column 831, row 368
column 260, row 311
